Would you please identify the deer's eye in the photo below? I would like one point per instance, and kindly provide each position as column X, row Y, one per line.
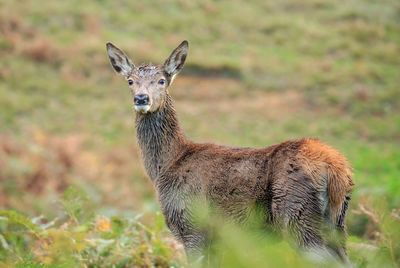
column 161, row 81
column 130, row 82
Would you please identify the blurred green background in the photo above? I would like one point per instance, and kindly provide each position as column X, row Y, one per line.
column 258, row 73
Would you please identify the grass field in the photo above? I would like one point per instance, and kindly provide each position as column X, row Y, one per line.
column 257, row 73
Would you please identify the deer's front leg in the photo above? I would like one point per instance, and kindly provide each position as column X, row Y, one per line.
column 195, row 246
column 193, row 239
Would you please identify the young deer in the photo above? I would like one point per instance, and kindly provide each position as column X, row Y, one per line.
column 301, row 186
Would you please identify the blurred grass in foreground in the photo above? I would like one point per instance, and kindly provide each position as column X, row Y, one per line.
column 80, row 238
column 258, row 73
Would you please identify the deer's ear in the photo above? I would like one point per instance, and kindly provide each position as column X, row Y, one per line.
column 121, row 63
column 176, row 60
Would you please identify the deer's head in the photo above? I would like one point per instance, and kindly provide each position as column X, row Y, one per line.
column 148, row 83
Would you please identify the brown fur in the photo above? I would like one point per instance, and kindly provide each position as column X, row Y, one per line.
column 299, row 186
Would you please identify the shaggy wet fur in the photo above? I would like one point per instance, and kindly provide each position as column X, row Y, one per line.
column 301, row 186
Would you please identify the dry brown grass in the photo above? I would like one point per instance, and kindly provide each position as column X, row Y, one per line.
column 194, row 95
column 26, row 40
column 46, row 165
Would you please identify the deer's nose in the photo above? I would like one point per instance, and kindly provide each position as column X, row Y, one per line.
column 141, row 99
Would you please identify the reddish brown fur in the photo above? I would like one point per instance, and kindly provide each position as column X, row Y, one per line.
column 318, row 158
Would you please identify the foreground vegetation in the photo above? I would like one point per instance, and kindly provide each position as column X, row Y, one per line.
column 82, row 239
column 257, row 73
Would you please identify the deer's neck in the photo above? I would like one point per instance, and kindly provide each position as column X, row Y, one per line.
column 160, row 138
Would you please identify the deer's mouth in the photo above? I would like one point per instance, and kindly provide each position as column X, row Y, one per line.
column 142, row 108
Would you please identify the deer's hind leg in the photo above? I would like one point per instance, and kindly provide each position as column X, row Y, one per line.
column 297, row 210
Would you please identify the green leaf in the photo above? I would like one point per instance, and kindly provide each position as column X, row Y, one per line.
column 17, row 218
column 117, row 225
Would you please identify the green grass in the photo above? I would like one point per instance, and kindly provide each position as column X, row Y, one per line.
column 257, row 73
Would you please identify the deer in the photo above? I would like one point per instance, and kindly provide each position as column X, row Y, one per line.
column 302, row 187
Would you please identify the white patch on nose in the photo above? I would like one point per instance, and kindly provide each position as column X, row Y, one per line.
column 142, row 108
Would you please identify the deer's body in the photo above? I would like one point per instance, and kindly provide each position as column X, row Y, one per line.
column 301, row 186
